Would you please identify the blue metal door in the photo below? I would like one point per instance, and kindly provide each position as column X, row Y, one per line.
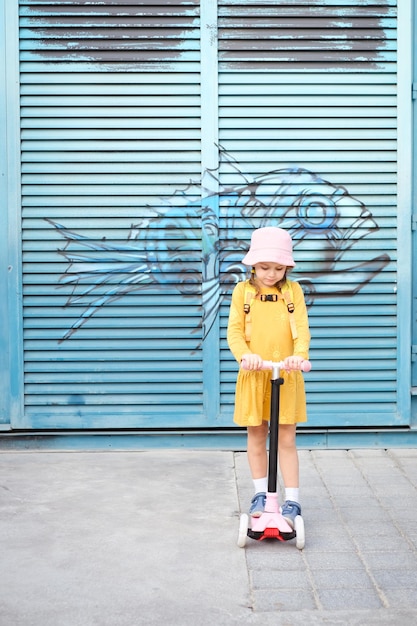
column 310, row 122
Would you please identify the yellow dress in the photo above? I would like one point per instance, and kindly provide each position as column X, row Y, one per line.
column 271, row 338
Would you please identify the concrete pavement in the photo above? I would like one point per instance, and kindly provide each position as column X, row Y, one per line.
column 149, row 537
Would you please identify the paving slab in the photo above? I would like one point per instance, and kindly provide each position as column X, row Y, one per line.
column 119, row 539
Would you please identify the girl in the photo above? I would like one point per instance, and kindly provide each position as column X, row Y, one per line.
column 268, row 321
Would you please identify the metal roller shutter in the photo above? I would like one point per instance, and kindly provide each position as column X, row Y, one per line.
column 307, row 111
column 110, row 110
column 150, row 151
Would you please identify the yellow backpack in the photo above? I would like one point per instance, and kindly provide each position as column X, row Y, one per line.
column 285, row 294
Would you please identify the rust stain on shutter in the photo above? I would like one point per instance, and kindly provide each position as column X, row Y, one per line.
column 306, row 35
column 252, row 35
column 111, row 32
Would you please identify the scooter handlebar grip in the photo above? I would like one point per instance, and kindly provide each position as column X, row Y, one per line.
column 267, row 365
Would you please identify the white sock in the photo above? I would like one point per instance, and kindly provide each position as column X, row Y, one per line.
column 292, row 493
column 260, row 484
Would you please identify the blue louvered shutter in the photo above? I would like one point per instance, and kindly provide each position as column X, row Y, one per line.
column 307, row 119
column 110, row 116
column 118, row 247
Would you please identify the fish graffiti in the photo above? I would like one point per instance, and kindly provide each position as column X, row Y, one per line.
column 194, row 245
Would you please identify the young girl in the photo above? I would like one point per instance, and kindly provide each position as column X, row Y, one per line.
column 268, row 321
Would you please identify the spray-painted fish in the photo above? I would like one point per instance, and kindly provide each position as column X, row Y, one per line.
column 202, row 235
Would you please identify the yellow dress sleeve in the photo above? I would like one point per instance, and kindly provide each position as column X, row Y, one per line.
column 236, row 325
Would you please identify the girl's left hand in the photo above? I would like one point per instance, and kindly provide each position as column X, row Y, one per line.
column 293, row 363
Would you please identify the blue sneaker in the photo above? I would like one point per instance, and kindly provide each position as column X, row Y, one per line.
column 257, row 505
column 289, row 511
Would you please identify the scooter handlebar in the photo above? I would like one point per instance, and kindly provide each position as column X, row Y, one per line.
column 269, row 365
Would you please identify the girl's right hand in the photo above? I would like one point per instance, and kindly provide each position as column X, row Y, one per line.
column 252, row 361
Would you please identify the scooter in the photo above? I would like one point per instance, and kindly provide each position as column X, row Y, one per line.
column 271, row 524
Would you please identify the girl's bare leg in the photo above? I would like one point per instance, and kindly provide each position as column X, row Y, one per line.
column 257, row 456
column 288, row 455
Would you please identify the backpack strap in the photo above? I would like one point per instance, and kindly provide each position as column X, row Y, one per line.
column 289, row 297
column 250, row 293
column 286, row 294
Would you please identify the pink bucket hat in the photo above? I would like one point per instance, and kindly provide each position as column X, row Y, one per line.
column 270, row 245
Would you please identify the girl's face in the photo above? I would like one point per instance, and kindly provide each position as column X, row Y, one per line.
column 268, row 274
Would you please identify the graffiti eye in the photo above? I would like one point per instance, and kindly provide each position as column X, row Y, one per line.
column 317, row 211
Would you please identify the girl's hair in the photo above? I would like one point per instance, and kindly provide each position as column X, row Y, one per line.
column 278, row 285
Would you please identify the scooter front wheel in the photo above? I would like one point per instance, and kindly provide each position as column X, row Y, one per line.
column 300, row 539
column 243, row 530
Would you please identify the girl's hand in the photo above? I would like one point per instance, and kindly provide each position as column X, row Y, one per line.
column 252, row 361
column 293, row 363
